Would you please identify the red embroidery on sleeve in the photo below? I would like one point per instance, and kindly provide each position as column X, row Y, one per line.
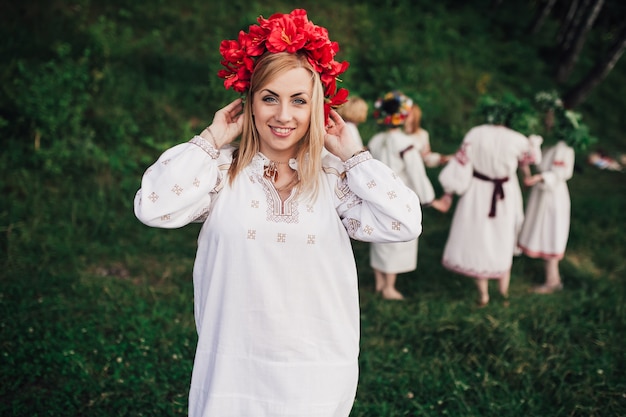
column 461, row 155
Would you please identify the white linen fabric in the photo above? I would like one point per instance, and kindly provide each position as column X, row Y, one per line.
column 546, row 226
column 275, row 282
column 421, row 138
column 478, row 245
column 354, row 131
column 395, row 149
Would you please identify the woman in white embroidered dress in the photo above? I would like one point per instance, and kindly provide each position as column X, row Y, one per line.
column 546, row 226
column 275, row 281
column 488, row 215
column 396, row 150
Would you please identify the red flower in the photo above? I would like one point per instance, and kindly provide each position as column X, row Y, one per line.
column 299, row 15
column 320, row 58
column 255, row 41
column 337, row 68
column 285, row 36
column 329, row 76
column 231, row 51
column 340, row 98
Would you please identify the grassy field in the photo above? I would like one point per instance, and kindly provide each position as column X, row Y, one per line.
column 96, row 309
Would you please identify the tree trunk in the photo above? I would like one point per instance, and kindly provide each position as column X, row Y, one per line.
column 541, row 16
column 579, row 93
column 564, row 36
column 566, row 63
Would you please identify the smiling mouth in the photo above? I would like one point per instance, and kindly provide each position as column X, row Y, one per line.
column 282, row 130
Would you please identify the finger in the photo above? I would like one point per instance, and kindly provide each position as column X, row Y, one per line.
column 337, row 119
column 233, row 103
column 235, row 112
column 233, row 106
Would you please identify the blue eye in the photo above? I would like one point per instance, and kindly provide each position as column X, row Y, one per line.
column 299, row 101
column 269, row 99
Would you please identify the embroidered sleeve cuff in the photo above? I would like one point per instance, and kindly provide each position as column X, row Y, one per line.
column 206, row 146
column 357, row 159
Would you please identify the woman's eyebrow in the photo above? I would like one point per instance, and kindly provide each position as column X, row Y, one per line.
column 293, row 95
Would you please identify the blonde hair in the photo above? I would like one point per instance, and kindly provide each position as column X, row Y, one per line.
column 416, row 123
column 355, row 110
column 309, row 154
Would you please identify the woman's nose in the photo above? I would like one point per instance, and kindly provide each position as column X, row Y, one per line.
column 283, row 113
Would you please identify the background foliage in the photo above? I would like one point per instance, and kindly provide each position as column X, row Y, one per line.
column 97, row 315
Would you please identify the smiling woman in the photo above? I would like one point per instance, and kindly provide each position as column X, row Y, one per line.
column 284, row 117
column 275, row 284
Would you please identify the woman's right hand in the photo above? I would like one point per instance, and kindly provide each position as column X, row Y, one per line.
column 227, row 124
column 532, row 180
column 443, row 203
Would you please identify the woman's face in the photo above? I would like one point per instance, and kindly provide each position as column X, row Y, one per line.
column 282, row 113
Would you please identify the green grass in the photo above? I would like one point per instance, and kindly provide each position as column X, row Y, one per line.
column 96, row 309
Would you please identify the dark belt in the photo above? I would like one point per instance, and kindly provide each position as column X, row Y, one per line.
column 498, row 191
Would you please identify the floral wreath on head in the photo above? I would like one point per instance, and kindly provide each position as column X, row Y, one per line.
column 291, row 33
column 398, row 116
column 566, row 125
column 508, row 110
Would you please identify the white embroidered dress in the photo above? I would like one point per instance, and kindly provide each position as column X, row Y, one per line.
column 397, row 151
column 480, row 245
column 421, row 138
column 275, row 284
column 546, row 226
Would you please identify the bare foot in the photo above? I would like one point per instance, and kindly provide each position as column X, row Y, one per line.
column 392, row 294
column 547, row 289
column 482, row 302
column 505, row 299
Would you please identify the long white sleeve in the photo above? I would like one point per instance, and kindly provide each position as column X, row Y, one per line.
column 374, row 203
column 178, row 188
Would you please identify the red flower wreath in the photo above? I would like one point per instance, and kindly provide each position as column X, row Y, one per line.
column 290, row 33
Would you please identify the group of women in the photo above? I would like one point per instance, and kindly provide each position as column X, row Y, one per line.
column 490, row 223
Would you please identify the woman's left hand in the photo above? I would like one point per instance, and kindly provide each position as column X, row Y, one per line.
column 338, row 139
